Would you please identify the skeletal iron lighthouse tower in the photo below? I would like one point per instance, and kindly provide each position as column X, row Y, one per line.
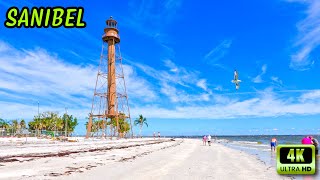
column 110, row 100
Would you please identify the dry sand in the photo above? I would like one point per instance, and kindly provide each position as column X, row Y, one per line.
column 130, row 159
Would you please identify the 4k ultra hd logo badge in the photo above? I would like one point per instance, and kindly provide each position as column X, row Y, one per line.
column 296, row 159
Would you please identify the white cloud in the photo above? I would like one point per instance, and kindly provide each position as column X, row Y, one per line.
column 276, row 81
column 308, row 38
column 175, row 75
column 218, row 88
column 218, row 52
column 43, row 75
column 313, row 95
column 4, row 47
column 178, row 83
column 202, row 83
column 258, row 78
column 138, row 87
column 12, row 110
column 173, row 68
column 265, row 104
column 28, row 76
column 176, row 95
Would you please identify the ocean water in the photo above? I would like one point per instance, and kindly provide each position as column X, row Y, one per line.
column 265, row 139
column 260, row 147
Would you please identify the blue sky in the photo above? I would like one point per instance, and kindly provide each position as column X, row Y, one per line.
column 179, row 58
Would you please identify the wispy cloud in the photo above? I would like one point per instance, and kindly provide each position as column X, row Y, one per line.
column 202, row 83
column 265, row 104
column 218, row 88
column 218, row 52
column 308, row 38
column 176, row 75
column 258, row 78
column 178, row 95
column 173, row 68
column 276, row 81
column 138, row 88
column 178, row 83
column 27, row 76
column 310, row 96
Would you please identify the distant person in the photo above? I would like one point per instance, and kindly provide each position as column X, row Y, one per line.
column 209, row 140
column 273, row 143
column 315, row 143
column 204, row 139
column 158, row 134
column 306, row 140
column 154, row 135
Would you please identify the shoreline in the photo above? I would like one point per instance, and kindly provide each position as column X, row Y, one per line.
column 157, row 158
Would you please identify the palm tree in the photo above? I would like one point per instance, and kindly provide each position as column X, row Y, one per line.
column 124, row 127
column 141, row 121
column 14, row 125
column 112, row 124
column 35, row 124
column 23, row 124
column 4, row 125
column 72, row 122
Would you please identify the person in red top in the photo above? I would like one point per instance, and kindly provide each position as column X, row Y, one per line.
column 306, row 140
column 204, row 139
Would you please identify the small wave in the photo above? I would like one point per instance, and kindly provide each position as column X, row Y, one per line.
column 248, row 142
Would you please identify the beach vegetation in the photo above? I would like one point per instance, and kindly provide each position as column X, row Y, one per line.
column 124, row 126
column 14, row 127
column 23, row 124
column 51, row 121
column 100, row 125
column 4, row 124
column 140, row 121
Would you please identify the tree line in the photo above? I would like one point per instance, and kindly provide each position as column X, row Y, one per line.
column 14, row 124
column 48, row 121
column 100, row 125
column 51, row 122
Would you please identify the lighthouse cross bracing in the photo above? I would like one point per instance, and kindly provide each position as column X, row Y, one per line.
column 110, row 99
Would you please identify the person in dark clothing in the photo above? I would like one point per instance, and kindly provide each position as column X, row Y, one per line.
column 315, row 143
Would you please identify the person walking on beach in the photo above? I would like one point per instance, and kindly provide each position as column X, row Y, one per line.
column 204, row 139
column 158, row 134
column 315, row 143
column 209, row 140
column 273, row 143
column 154, row 135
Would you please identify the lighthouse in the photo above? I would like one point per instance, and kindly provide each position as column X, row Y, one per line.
column 110, row 99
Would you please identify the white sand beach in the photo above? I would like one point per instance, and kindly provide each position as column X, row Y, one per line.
column 145, row 158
